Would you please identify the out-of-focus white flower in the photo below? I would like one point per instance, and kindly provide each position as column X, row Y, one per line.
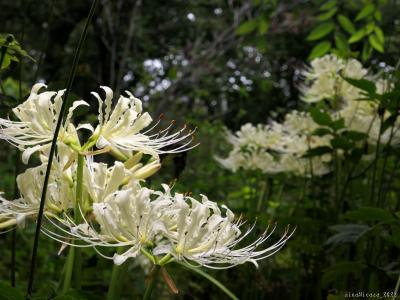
column 122, row 128
column 37, row 119
column 324, row 79
column 277, row 147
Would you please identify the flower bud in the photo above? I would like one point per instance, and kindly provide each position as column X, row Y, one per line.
column 147, row 170
column 133, row 160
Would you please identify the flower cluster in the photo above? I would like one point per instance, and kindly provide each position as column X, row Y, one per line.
column 282, row 147
column 278, row 147
column 92, row 204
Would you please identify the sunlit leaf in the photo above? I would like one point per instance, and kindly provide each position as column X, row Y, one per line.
column 327, row 15
column 346, row 24
column 365, row 12
column 375, row 43
column 320, row 31
column 247, row 27
column 357, row 36
column 320, row 50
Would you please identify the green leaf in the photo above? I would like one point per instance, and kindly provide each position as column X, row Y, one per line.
column 346, row 24
column 318, row 151
column 378, row 15
column 10, row 293
column 337, row 271
column 319, row 117
column 355, row 37
column 322, row 131
column 262, row 26
column 247, row 27
column 379, row 34
column 320, row 50
column 347, row 233
column 366, row 52
column 375, row 43
column 341, row 43
column 365, row 12
column 363, row 84
column 389, row 122
column 320, row 31
column 328, row 5
column 6, row 61
column 370, row 27
column 355, row 135
column 341, row 143
column 338, row 124
column 327, row 15
column 370, row 214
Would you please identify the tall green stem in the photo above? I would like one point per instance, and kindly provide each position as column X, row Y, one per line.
column 117, row 273
column 73, row 264
column 68, row 269
column 53, row 149
column 152, row 282
column 78, row 219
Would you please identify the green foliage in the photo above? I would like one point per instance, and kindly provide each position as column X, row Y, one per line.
column 10, row 293
column 10, row 51
column 340, row 32
column 370, row 214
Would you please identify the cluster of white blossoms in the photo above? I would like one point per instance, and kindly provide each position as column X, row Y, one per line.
column 92, row 204
column 281, row 147
column 278, row 147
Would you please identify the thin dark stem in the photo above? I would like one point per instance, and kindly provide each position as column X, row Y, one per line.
column 375, row 165
column 53, row 148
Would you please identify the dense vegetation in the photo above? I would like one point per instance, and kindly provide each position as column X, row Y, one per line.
column 294, row 107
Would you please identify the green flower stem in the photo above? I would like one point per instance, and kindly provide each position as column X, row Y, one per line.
column 117, row 274
column 78, row 219
column 152, row 282
column 166, row 259
column 63, row 109
column 79, row 189
column 68, row 269
column 73, row 264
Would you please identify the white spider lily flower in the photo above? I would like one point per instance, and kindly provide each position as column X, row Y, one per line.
column 176, row 226
column 59, row 197
column 37, row 119
column 102, row 180
column 325, row 81
column 122, row 128
column 203, row 235
column 126, row 217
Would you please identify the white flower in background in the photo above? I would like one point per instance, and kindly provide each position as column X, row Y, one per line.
column 37, row 119
column 122, row 128
column 278, row 147
column 324, row 79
